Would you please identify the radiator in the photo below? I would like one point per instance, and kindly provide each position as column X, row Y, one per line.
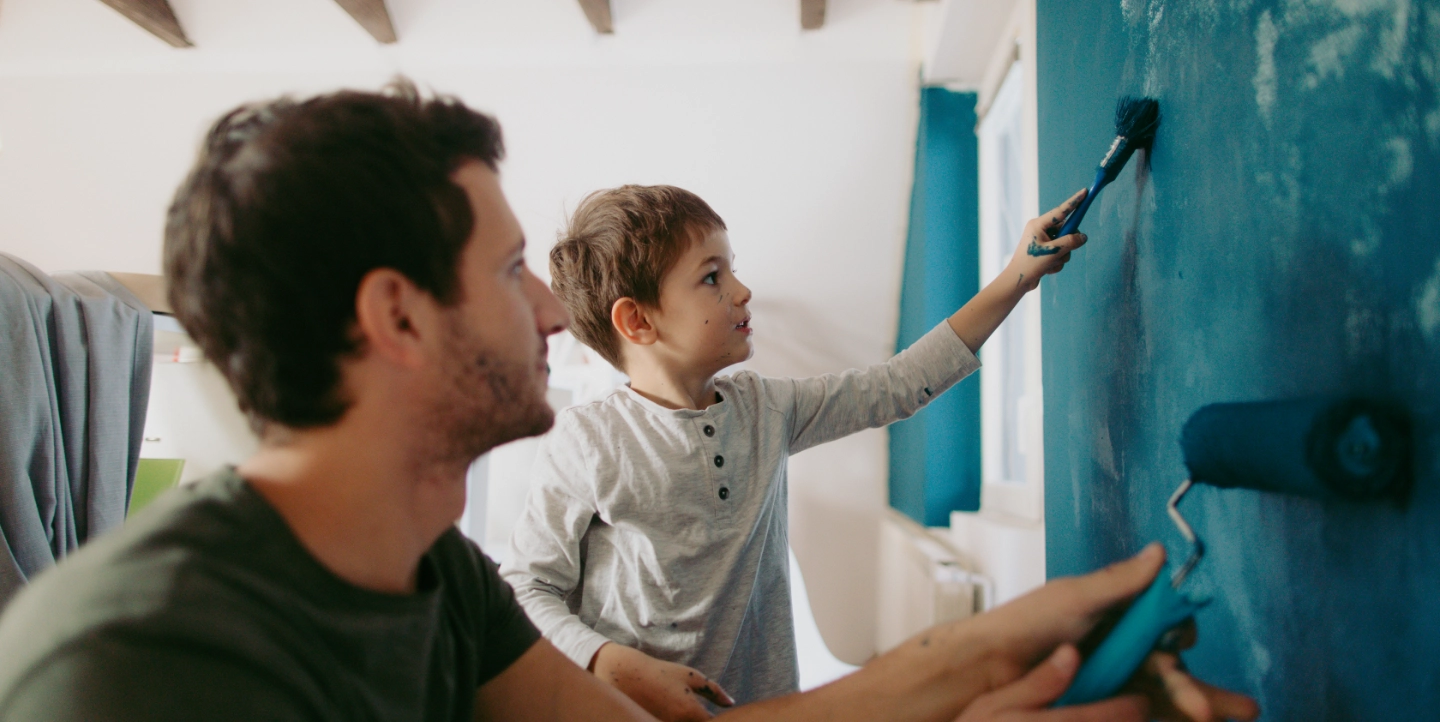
column 923, row 581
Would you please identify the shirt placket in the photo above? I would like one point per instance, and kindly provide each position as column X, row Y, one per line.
column 718, row 466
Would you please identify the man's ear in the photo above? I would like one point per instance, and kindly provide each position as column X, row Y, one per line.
column 632, row 321
column 394, row 316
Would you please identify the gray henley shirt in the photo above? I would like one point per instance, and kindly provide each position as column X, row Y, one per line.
column 666, row 529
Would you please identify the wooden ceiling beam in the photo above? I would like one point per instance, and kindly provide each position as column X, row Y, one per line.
column 598, row 13
column 156, row 16
column 373, row 16
column 812, row 14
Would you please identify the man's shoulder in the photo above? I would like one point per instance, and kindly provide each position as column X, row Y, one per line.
column 119, row 677
column 161, row 571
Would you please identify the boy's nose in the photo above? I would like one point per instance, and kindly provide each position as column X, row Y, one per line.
column 743, row 297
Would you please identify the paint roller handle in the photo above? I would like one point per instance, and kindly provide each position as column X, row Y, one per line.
column 1155, row 612
column 1072, row 223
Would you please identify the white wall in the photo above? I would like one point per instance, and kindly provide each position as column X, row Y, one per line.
column 802, row 141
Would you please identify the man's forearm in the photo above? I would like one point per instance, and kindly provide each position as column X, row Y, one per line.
column 929, row 678
column 978, row 318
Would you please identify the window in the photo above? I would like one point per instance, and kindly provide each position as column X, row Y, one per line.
column 1011, row 400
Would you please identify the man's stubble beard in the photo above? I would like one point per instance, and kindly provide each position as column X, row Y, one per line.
column 487, row 401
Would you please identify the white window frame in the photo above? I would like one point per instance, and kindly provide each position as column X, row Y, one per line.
column 1002, row 216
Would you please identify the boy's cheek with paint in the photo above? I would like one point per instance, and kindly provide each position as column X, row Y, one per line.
column 723, row 339
column 710, row 329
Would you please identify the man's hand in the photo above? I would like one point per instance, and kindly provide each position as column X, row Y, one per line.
column 1028, row 699
column 1064, row 611
column 1178, row 696
column 667, row 690
column 1037, row 254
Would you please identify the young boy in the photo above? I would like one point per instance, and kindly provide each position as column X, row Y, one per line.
column 653, row 548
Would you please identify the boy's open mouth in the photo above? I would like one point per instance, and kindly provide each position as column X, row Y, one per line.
column 743, row 325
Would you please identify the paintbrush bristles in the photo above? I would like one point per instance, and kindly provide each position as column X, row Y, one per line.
column 1137, row 119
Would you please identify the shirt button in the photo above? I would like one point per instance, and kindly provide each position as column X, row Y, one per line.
column 724, row 493
column 709, row 430
column 719, row 460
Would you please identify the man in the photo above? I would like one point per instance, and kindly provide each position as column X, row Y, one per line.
column 350, row 265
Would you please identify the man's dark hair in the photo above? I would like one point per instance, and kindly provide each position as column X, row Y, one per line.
column 290, row 204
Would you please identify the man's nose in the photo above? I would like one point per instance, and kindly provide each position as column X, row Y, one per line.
column 550, row 315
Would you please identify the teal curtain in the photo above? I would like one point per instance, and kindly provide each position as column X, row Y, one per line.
column 935, row 456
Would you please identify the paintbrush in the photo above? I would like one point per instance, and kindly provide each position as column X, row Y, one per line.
column 1136, row 120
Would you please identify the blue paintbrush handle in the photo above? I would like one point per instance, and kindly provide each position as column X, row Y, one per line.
column 1072, row 223
column 1159, row 609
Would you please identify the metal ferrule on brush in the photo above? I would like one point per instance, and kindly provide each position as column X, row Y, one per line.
column 1136, row 120
column 1110, row 155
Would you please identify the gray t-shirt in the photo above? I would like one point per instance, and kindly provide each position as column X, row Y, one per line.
column 206, row 607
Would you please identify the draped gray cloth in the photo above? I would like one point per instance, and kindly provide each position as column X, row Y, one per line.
column 75, row 357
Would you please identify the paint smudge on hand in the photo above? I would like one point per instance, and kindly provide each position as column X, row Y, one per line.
column 1036, row 249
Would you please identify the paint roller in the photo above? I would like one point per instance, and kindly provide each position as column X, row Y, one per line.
column 1347, row 450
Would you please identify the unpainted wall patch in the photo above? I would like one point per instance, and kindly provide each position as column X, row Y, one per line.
column 1265, row 82
column 1354, row 8
column 1327, row 57
column 1391, row 50
column 1402, row 162
column 1427, row 307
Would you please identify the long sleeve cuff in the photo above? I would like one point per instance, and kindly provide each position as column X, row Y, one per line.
column 943, row 358
column 577, row 641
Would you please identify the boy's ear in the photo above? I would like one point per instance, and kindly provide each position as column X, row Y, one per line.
column 632, row 322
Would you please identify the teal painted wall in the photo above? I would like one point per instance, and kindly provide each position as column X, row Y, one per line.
column 935, row 455
column 1282, row 246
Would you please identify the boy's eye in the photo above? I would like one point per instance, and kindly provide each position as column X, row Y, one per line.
column 712, row 278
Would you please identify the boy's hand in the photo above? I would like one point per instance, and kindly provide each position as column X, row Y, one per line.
column 1037, row 254
column 667, row 690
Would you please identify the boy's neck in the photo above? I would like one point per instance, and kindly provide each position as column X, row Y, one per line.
column 671, row 388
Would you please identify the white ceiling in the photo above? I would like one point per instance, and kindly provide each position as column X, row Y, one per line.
column 85, row 36
column 961, row 40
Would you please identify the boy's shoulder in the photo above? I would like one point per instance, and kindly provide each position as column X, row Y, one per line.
column 622, row 408
column 590, row 415
column 755, row 390
column 591, row 423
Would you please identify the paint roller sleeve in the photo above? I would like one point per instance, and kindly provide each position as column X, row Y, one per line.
column 1350, row 449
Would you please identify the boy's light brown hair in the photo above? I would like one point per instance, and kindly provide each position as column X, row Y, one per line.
column 620, row 244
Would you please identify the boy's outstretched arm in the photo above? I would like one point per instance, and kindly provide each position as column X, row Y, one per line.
column 1036, row 255
column 824, row 408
